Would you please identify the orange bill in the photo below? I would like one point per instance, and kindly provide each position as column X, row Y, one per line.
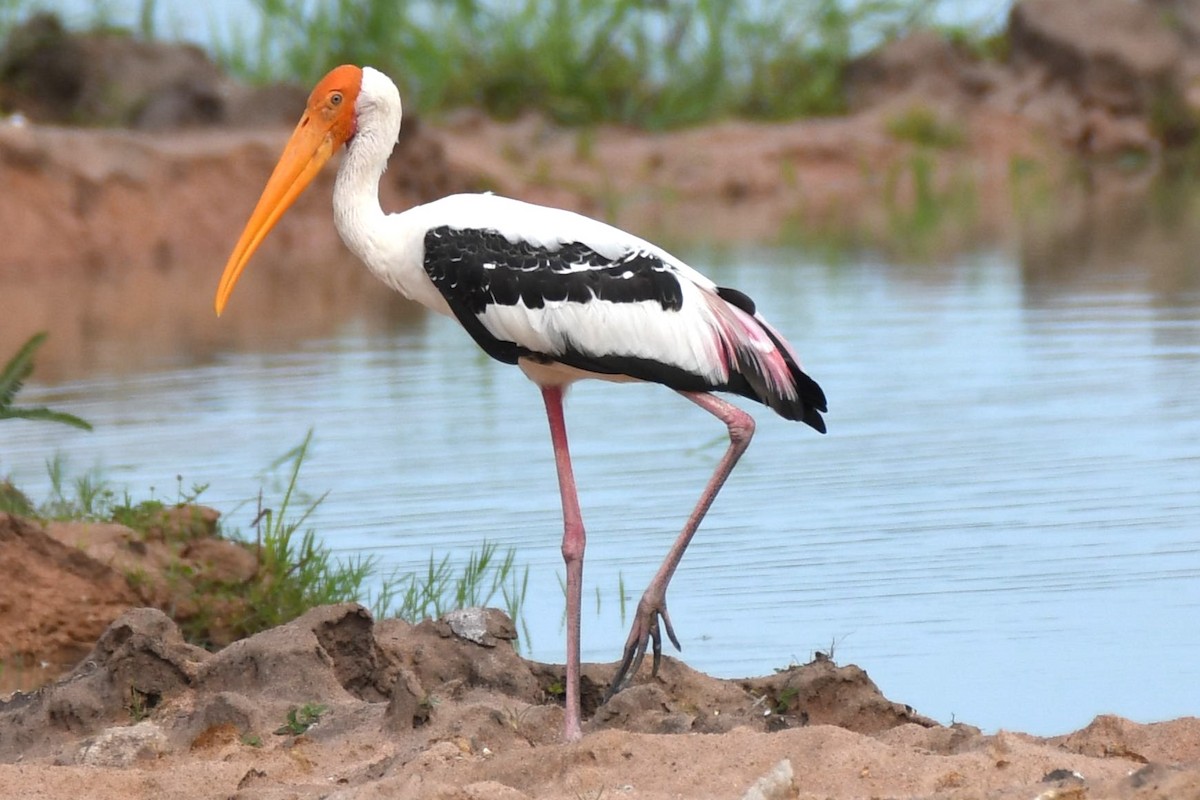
column 327, row 123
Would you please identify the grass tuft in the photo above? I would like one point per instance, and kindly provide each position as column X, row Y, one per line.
column 296, row 571
column 656, row 65
column 301, row 719
column 486, row 575
column 922, row 126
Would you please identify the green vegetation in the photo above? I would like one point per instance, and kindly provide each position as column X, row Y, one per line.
column 783, row 703
column 648, row 63
column 13, row 377
column 921, row 125
column 439, row 589
column 140, row 704
column 651, row 64
column 301, row 719
column 299, row 573
column 89, row 497
column 295, row 571
column 13, row 500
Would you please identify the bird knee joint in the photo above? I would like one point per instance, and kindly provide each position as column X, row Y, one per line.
column 741, row 429
column 573, row 545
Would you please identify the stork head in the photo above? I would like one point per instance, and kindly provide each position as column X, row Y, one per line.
column 329, row 120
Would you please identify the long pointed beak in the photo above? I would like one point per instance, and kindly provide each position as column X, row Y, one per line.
column 311, row 145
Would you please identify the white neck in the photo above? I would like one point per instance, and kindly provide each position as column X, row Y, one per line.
column 357, row 213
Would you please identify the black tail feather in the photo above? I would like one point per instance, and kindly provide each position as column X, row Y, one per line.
column 806, row 406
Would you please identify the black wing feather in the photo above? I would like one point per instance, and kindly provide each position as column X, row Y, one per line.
column 475, row 268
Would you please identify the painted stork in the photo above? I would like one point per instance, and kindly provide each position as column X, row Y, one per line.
column 558, row 294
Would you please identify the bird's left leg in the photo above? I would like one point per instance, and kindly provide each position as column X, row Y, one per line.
column 653, row 604
column 573, row 542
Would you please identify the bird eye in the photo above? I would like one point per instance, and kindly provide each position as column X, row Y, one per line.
column 335, row 99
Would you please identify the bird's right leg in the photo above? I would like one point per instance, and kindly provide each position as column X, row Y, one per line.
column 653, row 605
column 574, row 540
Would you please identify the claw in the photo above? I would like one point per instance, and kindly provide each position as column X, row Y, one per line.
column 656, row 638
column 666, row 618
column 645, row 631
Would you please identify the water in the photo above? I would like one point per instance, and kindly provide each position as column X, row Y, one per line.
column 1002, row 526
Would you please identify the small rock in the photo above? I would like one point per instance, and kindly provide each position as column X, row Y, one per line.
column 483, row 626
column 120, row 747
column 644, row 708
column 1061, row 775
column 309, row 657
column 229, row 708
column 775, row 785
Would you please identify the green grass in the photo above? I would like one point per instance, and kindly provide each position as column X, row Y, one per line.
column 580, row 62
column 301, row 719
column 922, row 126
column 13, row 500
column 486, row 577
column 919, row 218
column 89, row 497
column 296, row 570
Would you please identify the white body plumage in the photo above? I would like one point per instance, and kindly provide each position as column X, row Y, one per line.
column 701, row 337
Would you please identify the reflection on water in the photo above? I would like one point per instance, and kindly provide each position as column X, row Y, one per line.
column 1001, row 526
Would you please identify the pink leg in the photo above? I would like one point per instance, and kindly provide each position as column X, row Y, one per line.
column 654, row 601
column 574, row 540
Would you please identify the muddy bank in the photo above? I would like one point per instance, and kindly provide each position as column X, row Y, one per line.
column 337, row 705
column 68, row 580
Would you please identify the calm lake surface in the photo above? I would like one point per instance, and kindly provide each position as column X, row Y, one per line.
column 1002, row 526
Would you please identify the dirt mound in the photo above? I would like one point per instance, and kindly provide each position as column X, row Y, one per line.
column 404, row 677
column 55, row 600
column 335, row 705
column 67, row 581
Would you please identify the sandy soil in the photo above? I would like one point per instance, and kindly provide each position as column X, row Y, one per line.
column 448, row 709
